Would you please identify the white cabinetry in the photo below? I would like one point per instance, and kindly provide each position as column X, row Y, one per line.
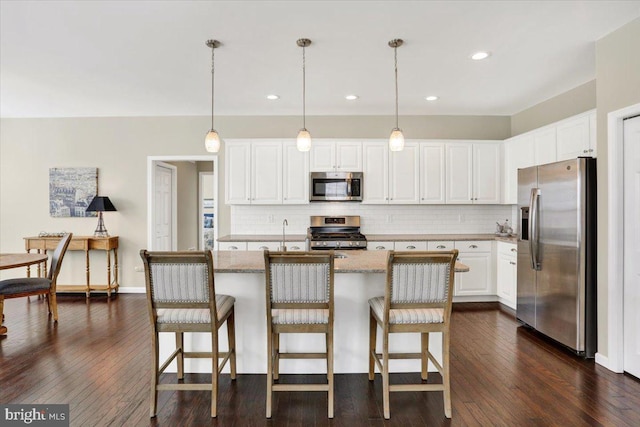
column 473, row 173
column 432, row 175
column 410, row 246
column 404, row 175
column 379, row 246
column 507, row 273
column 336, row 156
column 574, row 137
column 478, row 281
column 261, row 246
column 265, row 172
column 544, row 142
column 440, row 245
column 375, row 171
column 295, row 175
column 232, row 246
column 518, row 153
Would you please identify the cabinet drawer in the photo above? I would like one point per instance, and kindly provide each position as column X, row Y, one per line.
column 508, row 249
column 261, row 246
column 473, row 245
column 295, row 246
column 410, row 246
column 380, row 246
column 443, row 245
column 232, row 246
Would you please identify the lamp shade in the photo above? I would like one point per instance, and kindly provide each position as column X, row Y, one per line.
column 101, row 204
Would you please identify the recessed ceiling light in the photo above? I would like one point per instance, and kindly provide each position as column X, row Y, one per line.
column 480, row 55
column 431, row 98
column 351, row 97
column 272, row 97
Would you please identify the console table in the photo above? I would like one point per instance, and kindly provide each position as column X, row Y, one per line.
column 86, row 244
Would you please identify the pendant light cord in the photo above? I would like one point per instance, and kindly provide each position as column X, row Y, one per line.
column 395, row 59
column 213, row 54
column 304, row 95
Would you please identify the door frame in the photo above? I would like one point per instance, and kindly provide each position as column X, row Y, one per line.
column 614, row 360
column 151, row 161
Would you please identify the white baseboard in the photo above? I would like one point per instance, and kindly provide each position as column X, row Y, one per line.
column 604, row 361
column 132, row 290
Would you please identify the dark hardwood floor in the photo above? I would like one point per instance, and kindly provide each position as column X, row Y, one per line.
column 97, row 360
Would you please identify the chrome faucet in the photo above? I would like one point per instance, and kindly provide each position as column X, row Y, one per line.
column 283, row 248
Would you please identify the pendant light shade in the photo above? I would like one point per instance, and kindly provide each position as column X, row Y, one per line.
column 303, row 141
column 396, row 140
column 212, row 140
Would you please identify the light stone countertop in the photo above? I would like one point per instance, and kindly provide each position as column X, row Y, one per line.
column 370, row 237
column 355, row 262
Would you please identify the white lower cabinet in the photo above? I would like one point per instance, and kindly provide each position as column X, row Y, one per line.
column 479, row 280
column 295, row 246
column 444, row 245
column 379, row 246
column 410, row 246
column 261, row 246
column 507, row 273
column 232, row 246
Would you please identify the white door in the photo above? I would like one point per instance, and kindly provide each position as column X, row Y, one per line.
column 518, row 153
column 238, row 173
column 323, row 156
column 432, row 175
column 572, row 138
column 404, row 175
column 349, row 156
column 163, row 208
column 632, row 246
column 459, row 160
column 375, row 168
column 266, row 172
column 545, row 146
column 295, row 178
column 487, row 178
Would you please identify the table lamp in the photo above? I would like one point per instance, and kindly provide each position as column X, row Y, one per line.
column 101, row 204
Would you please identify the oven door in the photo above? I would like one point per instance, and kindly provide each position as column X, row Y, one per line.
column 338, row 186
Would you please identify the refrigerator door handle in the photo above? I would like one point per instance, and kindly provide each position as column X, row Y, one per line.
column 533, row 228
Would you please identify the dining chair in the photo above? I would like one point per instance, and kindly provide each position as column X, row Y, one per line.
column 31, row 286
column 299, row 297
column 181, row 298
column 417, row 298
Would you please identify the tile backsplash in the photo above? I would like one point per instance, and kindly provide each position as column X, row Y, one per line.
column 375, row 219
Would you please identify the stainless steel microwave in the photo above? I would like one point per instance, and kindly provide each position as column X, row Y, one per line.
column 336, row 187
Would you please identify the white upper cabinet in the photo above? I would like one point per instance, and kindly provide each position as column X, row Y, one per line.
column 295, row 175
column 459, row 173
column 487, row 167
column 593, row 134
column 432, row 175
column 238, row 172
column 518, row 153
column 573, row 138
column 404, row 175
column 544, row 142
column 474, row 173
column 375, row 168
column 265, row 172
column 336, row 156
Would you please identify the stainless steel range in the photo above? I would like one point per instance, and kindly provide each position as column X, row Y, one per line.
column 336, row 232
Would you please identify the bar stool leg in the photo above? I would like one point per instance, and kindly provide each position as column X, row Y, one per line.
column 424, row 341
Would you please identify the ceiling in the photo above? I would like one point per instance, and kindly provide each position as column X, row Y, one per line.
column 149, row 58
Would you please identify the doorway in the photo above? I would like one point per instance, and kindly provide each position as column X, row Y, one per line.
column 177, row 204
column 624, row 193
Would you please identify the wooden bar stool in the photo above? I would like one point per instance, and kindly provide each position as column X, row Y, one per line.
column 299, row 296
column 417, row 299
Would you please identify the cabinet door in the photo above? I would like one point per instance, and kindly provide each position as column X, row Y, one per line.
column 404, row 175
column 459, row 166
column 295, row 175
column 478, row 280
column 487, row 178
column 238, row 173
column 266, row 172
column 410, row 246
column 432, row 176
column 518, row 153
column 375, row 165
column 545, row 146
column 323, row 156
column 232, row 246
column 505, row 278
column 349, row 156
column 593, row 134
column 573, row 138
column 261, row 246
column 379, row 246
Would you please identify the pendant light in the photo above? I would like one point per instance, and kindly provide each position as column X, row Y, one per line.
column 303, row 141
column 212, row 140
column 396, row 140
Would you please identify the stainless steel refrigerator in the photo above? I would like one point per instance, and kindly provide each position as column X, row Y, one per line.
column 557, row 252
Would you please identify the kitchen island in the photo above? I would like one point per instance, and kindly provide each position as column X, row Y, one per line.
column 358, row 277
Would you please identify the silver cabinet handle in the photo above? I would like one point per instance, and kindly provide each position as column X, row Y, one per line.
column 514, row 250
column 411, row 247
column 591, row 150
column 379, row 247
column 295, row 248
column 441, row 247
column 263, row 248
column 473, row 246
column 585, row 151
column 233, row 248
column 512, row 263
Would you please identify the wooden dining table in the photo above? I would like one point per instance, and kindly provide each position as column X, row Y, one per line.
column 18, row 260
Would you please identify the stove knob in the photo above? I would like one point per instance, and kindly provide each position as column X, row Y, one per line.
column 351, row 243
column 324, row 243
column 338, row 244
